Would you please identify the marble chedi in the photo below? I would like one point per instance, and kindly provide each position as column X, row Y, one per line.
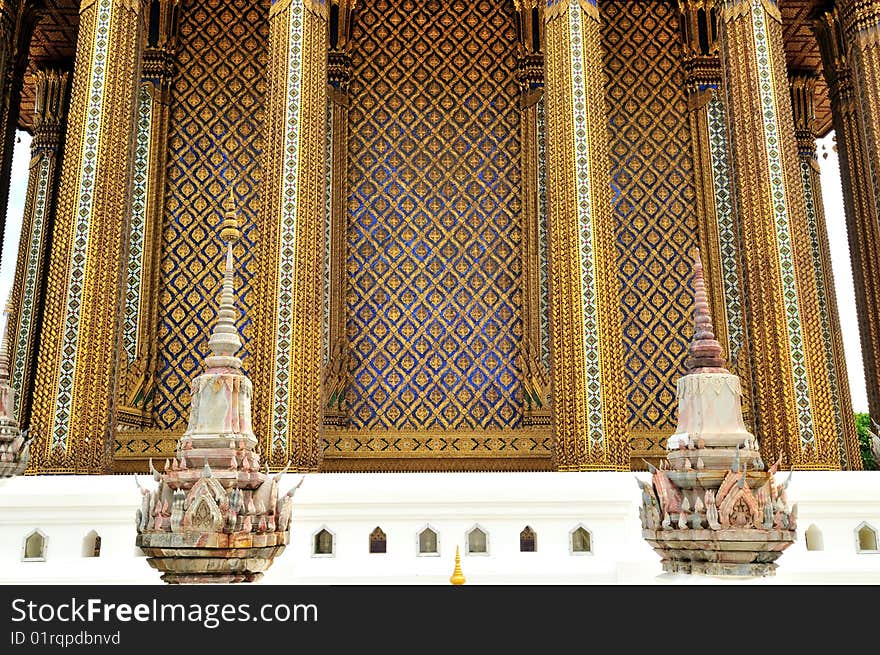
column 215, row 517
column 14, row 445
column 712, row 507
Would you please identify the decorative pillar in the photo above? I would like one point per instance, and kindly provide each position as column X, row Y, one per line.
column 535, row 352
column 17, row 21
column 793, row 396
column 72, row 414
column 589, row 391
column 335, row 376
column 803, row 85
column 719, row 229
column 52, row 94
column 858, row 176
column 136, row 377
column 291, row 227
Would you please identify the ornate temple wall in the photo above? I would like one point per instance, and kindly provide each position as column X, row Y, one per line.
column 434, row 294
column 217, row 114
column 654, row 205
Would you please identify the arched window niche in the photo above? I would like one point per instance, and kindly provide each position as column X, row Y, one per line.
column 378, row 541
column 91, row 545
column 866, row 538
column 528, row 540
column 323, row 543
column 814, row 539
column 428, row 542
column 580, row 541
column 33, row 548
column 477, row 540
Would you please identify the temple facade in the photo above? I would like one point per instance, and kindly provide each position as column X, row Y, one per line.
column 466, row 226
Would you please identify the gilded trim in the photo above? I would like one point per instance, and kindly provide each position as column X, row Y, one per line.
column 287, row 232
column 589, row 291
column 64, row 398
column 29, row 295
column 806, row 168
column 719, row 152
column 772, row 139
column 135, row 291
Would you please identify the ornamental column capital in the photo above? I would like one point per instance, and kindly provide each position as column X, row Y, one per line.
column 51, row 84
column 803, row 88
column 859, row 16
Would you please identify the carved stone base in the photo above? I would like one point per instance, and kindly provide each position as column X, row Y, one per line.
column 726, row 552
column 720, row 569
column 207, row 557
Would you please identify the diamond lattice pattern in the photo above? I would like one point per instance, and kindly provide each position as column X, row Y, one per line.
column 434, row 294
column 216, row 118
column 654, row 196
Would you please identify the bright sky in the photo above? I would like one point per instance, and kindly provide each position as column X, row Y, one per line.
column 831, row 195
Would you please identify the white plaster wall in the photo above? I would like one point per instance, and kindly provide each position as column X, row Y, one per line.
column 66, row 508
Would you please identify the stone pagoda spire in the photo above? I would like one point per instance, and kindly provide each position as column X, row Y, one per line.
column 712, row 508
column 14, row 446
column 709, row 399
column 215, row 517
column 705, row 354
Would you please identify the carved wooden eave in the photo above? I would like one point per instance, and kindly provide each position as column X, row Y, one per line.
column 55, row 40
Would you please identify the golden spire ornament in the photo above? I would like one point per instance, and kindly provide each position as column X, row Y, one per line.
column 229, row 230
column 457, row 577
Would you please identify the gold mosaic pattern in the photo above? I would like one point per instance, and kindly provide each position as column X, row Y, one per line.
column 863, row 230
column 579, row 199
column 216, row 135
column 654, row 203
column 791, row 384
column 287, row 403
column 84, row 394
column 860, row 116
column 434, row 296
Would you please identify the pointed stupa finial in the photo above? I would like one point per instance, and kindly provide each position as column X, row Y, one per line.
column 457, row 577
column 229, row 230
column 224, row 341
column 705, row 354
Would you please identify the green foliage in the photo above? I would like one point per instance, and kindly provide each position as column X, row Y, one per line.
column 863, row 425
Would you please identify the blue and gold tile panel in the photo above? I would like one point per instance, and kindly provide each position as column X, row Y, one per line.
column 654, row 202
column 216, row 114
column 434, row 296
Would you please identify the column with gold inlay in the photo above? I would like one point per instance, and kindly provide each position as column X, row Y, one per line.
column 135, row 385
column 719, row 229
column 73, row 395
column 52, row 90
column 291, row 223
column 589, row 393
column 795, row 406
column 852, row 103
column 335, row 376
column 803, row 86
column 535, row 344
